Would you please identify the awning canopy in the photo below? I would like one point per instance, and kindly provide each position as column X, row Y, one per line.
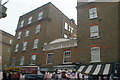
column 96, row 69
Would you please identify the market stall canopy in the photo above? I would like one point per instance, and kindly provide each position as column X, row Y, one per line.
column 96, row 69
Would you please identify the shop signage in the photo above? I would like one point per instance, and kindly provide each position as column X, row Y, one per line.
column 29, row 70
column 60, row 45
column 13, row 68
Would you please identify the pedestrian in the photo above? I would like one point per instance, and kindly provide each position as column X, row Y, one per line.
column 4, row 75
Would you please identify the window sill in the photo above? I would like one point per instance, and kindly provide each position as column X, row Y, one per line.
column 67, row 62
column 95, row 37
column 23, row 50
column 34, row 48
column 93, row 18
column 32, row 64
column 37, row 32
column 48, row 63
column 95, row 61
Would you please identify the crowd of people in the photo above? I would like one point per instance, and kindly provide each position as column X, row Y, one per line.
column 8, row 75
column 67, row 75
column 56, row 75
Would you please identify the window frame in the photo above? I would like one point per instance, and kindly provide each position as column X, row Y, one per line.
column 49, row 58
column 22, row 23
column 35, row 44
column 93, row 13
column 38, row 28
column 14, row 61
column 16, row 47
column 19, row 35
column 33, row 59
column 27, row 33
column 67, row 57
column 65, row 36
column 94, row 31
column 66, row 26
column 30, row 20
column 24, row 46
column 40, row 15
column 93, row 54
column 10, row 41
column 22, row 58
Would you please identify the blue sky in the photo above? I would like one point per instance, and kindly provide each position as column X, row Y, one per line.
column 17, row 8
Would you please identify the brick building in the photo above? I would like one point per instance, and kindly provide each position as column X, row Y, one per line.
column 37, row 28
column 6, row 42
column 98, row 39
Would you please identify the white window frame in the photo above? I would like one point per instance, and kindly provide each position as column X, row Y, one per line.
column 22, row 60
column 33, row 59
column 38, row 27
column 14, row 61
column 66, row 26
column 16, row 47
column 21, row 24
column 27, row 33
column 30, row 20
column 24, row 46
column 93, row 13
column 10, row 41
column 40, row 15
column 95, row 55
column 65, row 35
column 35, row 44
column 67, row 57
column 49, row 59
column 94, row 31
column 19, row 35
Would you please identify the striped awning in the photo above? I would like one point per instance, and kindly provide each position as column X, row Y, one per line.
column 96, row 69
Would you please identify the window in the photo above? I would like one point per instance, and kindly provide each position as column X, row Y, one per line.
column 19, row 35
column 95, row 54
column 65, row 36
column 35, row 44
column 40, row 15
column 67, row 56
column 92, row 13
column 10, row 41
column 29, row 20
column 16, row 48
column 94, row 33
column 70, row 29
column 27, row 33
column 49, row 58
column 24, row 46
column 66, row 26
column 21, row 24
column 14, row 61
column 33, row 58
column 38, row 29
column 22, row 60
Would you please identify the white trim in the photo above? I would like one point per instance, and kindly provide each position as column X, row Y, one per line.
column 89, row 69
column 106, row 69
column 81, row 68
column 97, row 70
